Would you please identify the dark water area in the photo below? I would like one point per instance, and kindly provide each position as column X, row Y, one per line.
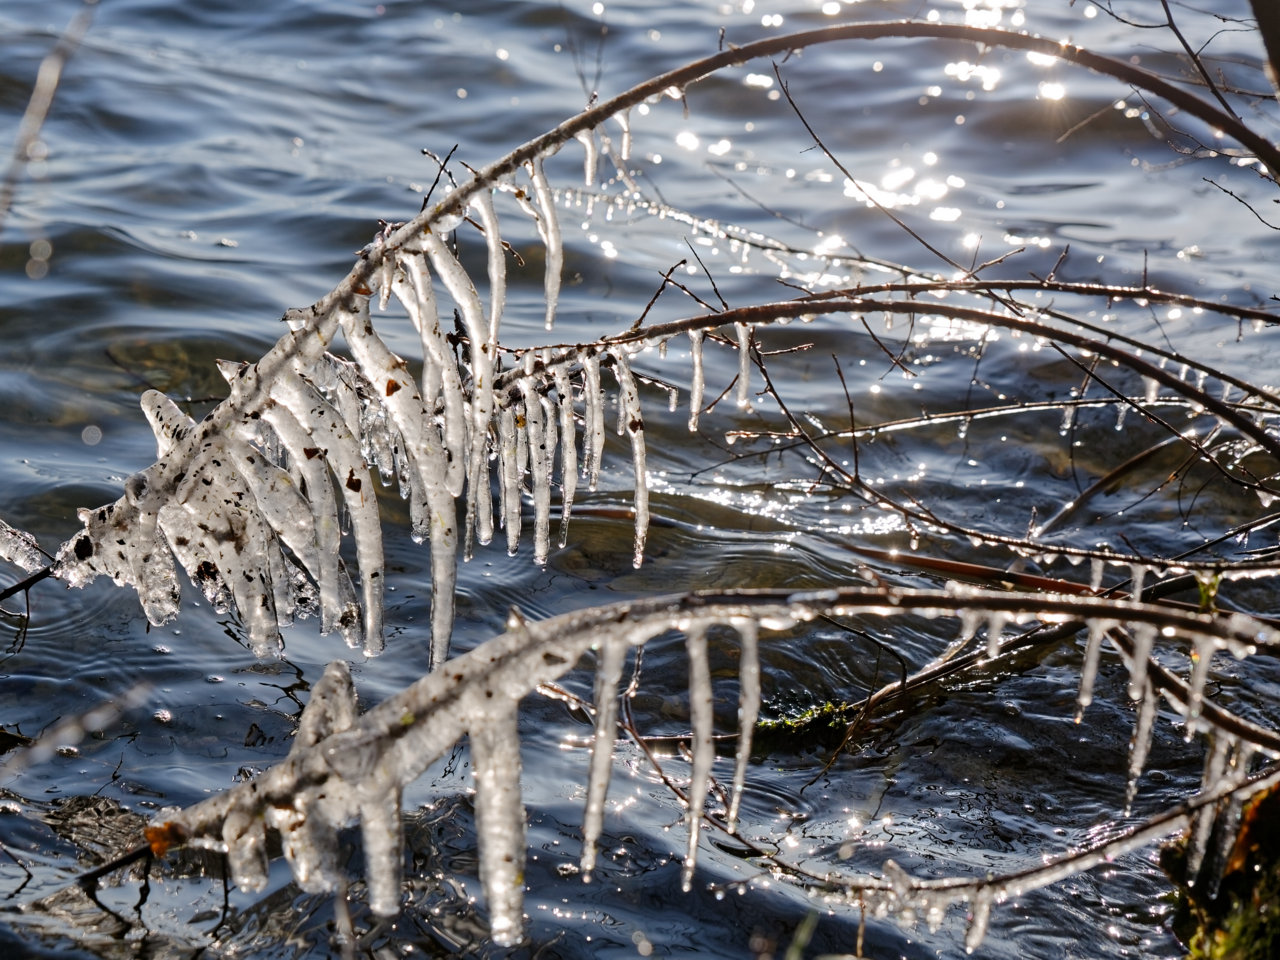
column 210, row 165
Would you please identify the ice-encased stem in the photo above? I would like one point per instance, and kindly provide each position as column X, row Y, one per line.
column 500, row 821
column 633, row 423
column 19, row 548
column 701, row 721
column 608, row 673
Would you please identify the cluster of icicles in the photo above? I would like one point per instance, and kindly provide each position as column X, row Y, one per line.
column 252, row 501
column 345, row 768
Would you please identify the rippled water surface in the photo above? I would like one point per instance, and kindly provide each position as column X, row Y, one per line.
column 212, row 164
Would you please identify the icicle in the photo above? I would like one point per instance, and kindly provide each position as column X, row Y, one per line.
column 568, row 450
column 440, row 369
column 589, row 158
column 1096, row 569
column 1089, row 671
column 382, row 831
column 338, row 609
column 1221, row 744
column 623, row 119
column 1144, row 640
column 1122, row 408
column 246, row 840
column 500, row 820
column 608, row 672
column 748, row 711
column 593, row 415
column 281, row 504
column 385, row 271
column 1140, row 744
column 744, row 366
column 629, row 404
column 509, row 469
column 206, row 527
column 334, row 442
column 549, row 229
column 979, row 918
column 168, row 423
column 995, row 630
column 1137, row 574
column 305, row 843
column 539, row 470
column 483, row 351
column 698, row 385
column 701, row 720
column 1068, row 419
column 497, row 267
column 1202, row 650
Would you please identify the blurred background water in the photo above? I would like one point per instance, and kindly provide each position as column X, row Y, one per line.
column 211, row 164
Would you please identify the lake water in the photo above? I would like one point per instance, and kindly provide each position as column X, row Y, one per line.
column 211, row 164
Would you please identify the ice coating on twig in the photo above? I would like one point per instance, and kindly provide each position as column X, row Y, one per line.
column 19, row 548
column 608, row 673
column 701, row 719
column 549, row 230
column 632, row 422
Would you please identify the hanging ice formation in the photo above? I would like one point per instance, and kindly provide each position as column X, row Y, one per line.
column 345, row 768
